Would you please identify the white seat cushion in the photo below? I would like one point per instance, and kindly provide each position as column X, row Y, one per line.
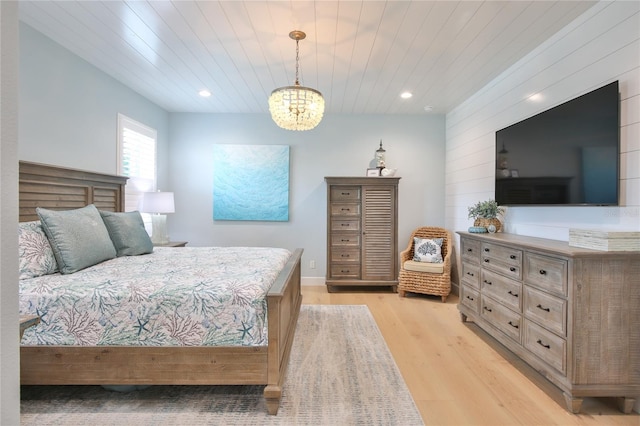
column 434, row 268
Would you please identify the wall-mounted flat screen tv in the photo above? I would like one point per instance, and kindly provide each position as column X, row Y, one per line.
column 567, row 155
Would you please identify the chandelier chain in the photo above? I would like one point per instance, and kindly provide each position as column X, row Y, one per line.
column 297, row 61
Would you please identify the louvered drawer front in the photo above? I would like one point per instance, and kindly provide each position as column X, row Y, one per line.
column 471, row 275
column 502, row 289
column 344, row 239
column 345, row 271
column 470, row 298
column 470, row 250
column 345, row 225
column 345, row 255
column 546, row 345
column 345, row 193
column 546, row 309
column 546, row 273
column 501, row 317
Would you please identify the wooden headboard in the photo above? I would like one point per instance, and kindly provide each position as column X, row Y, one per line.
column 60, row 188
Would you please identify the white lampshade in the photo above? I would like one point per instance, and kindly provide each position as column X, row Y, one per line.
column 157, row 202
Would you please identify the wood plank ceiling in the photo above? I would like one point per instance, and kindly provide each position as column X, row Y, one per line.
column 360, row 54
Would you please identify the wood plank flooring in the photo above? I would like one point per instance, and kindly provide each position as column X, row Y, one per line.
column 456, row 375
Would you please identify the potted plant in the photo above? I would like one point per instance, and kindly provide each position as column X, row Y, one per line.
column 485, row 213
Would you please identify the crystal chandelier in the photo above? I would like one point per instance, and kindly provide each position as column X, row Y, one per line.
column 296, row 107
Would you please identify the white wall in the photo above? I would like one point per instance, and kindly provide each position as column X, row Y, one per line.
column 339, row 146
column 9, row 355
column 69, row 108
column 601, row 46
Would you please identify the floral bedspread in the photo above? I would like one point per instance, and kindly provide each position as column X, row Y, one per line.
column 191, row 296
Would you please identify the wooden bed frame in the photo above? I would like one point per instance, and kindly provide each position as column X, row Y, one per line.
column 60, row 188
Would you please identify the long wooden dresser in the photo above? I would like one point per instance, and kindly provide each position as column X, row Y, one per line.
column 362, row 231
column 572, row 314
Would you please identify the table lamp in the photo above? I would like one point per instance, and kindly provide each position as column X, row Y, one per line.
column 158, row 203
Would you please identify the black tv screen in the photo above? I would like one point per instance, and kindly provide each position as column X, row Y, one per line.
column 567, row 155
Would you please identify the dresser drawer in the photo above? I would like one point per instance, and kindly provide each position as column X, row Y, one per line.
column 546, row 345
column 345, row 225
column 547, row 273
column 345, row 193
column 345, row 271
column 471, row 275
column 501, row 317
column 345, row 255
column 547, row 310
column 470, row 298
column 345, row 209
column 470, row 250
column 505, row 260
column 350, row 239
column 502, row 289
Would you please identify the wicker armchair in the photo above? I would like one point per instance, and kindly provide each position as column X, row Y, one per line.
column 429, row 278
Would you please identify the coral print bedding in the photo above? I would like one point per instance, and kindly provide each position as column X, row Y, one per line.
column 204, row 296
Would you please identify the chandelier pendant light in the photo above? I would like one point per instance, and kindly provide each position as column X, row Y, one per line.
column 296, row 107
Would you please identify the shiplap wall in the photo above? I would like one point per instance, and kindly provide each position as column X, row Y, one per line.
column 599, row 47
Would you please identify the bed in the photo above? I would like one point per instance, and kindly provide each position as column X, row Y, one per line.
column 261, row 362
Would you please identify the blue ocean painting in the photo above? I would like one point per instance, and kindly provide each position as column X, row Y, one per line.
column 251, row 182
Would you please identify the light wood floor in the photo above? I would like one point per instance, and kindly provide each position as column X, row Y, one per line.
column 455, row 376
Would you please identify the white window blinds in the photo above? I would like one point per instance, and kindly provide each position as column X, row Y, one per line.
column 136, row 159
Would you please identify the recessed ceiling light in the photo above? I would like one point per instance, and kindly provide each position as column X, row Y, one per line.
column 406, row 95
column 204, row 93
column 536, row 97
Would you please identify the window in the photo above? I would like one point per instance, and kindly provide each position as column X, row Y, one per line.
column 136, row 159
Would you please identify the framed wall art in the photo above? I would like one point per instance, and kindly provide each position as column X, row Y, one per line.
column 251, row 182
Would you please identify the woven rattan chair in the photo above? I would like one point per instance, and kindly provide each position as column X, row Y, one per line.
column 426, row 278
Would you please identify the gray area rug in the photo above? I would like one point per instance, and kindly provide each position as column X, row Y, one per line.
column 340, row 373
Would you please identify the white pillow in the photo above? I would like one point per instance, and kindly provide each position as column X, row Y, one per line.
column 427, row 250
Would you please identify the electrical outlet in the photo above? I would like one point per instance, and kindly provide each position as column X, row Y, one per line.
column 312, row 264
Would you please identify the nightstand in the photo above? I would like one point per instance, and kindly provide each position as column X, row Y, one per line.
column 172, row 244
column 27, row 321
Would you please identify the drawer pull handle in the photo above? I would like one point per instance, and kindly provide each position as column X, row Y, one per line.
column 344, row 224
column 345, row 241
column 513, row 325
column 470, row 298
column 470, row 274
column 487, row 309
column 513, row 256
column 488, row 282
column 512, row 269
column 543, row 345
column 345, row 255
column 486, row 260
column 486, row 249
column 543, row 272
column 544, row 309
column 513, row 294
column 469, row 250
column 345, row 210
column 345, row 193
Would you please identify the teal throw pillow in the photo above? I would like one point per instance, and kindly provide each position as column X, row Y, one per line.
column 79, row 238
column 127, row 233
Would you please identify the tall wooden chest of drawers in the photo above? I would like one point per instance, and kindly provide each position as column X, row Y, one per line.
column 362, row 231
column 572, row 314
